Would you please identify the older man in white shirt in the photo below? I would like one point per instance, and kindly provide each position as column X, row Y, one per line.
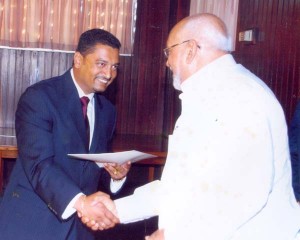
column 227, row 174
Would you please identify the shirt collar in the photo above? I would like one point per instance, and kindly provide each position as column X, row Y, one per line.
column 200, row 77
column 79, row 90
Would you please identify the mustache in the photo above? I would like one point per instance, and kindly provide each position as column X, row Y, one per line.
column 103, row 78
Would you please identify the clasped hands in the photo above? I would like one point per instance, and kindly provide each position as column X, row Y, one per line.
column 97, row 211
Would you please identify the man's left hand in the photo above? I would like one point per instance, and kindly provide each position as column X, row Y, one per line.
column 117, row 171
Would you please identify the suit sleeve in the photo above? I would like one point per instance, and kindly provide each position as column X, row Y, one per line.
column 294, row 141
column 37, row 153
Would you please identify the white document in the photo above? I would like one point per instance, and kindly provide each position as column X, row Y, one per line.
column 117, row 157
column 142, row 204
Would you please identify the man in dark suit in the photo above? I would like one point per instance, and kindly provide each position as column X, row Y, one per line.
column 294, row 142
column 47, row 187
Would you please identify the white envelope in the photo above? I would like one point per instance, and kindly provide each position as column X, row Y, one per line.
column 116, row 157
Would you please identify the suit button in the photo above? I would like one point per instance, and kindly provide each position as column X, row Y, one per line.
column 15, row 194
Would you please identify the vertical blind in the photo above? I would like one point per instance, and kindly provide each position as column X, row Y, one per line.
column 57, row 24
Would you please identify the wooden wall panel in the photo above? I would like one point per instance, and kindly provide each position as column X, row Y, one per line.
column 275, row 58
column 20, row 69
column 147, row 74
column 146, row 101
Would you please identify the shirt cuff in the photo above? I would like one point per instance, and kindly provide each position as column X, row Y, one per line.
column 70, row 210
column 115, row 185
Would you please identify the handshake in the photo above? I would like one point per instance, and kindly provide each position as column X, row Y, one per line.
column 97, row 211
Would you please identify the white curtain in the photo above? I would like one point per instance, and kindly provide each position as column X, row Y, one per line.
column 57, row 24
column 227, row 10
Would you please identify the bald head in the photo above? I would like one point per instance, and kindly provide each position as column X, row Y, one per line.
column 207, row 29
column 193, row 43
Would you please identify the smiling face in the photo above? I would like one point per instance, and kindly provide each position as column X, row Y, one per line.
column 95, row 71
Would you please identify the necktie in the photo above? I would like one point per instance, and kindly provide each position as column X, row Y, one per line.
column 84, row 103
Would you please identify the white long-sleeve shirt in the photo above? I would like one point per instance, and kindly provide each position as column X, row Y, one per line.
column 227, row 174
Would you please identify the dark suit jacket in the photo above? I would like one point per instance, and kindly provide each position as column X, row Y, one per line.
column 294, row 142
column 49, row 125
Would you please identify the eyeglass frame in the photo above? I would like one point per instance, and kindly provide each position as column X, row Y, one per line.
column 167, row 50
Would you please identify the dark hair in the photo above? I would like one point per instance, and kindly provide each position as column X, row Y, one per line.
column 90, row 38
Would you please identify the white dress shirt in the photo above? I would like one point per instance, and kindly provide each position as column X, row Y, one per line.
column 227, row 174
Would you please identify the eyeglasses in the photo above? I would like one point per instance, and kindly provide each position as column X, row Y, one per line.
column 167, row 50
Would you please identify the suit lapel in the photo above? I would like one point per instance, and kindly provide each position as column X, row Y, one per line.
column 73, row 106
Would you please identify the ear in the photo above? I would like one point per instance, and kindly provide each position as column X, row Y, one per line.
column 78, row 59
column 192, row 51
